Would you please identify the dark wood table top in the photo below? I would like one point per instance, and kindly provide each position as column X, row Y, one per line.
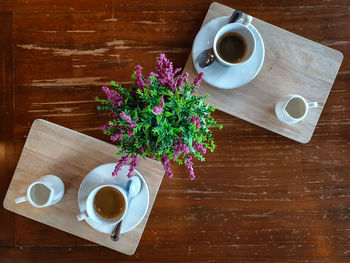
column 258, row 198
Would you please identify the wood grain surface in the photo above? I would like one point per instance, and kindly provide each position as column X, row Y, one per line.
column 53, row 149
column 292, row 65
column 258, row 198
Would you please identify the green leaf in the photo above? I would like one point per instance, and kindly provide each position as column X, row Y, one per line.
column 168, row 114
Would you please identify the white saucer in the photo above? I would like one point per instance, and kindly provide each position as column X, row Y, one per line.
column 218, row 75
column 103, row 175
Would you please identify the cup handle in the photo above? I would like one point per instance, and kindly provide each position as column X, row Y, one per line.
column 312, row 105
column 248, row 19
column 20, row 199
column 82, row 216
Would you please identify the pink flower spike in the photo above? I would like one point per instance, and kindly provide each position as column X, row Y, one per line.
column 197, row 121
column 161, row 102
column 148, row 80
column 116, row 137
column 114, row 97
column 106, row 127
column 197, row 80
column 130, row 133
column 157, row 110
column 125, row 116
column 189, row 165
column 177, row 70
column 132, row 166
column 180, row 147
column 199, row 148
column 166, row 166
column 140, row 83
column 181, row 79
column 120, row 164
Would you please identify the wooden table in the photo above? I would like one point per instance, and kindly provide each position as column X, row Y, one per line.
column 259, row 197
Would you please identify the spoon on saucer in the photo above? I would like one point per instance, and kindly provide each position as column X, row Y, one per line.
column 207, row 57
column 133, row 188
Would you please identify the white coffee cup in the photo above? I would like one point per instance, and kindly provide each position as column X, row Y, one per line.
column 245, row 32
column 46, row 191
column 293, row 108
column 91, row 213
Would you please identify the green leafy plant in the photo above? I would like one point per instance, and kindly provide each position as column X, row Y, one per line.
column 161, row 116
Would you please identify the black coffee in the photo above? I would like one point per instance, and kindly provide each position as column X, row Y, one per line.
column 109, row 202
column 232, row 47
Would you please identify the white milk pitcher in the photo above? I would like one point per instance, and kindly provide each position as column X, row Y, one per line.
column 293, row 108
column 46, row 191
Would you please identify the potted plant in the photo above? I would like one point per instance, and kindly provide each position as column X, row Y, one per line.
column 161, row 116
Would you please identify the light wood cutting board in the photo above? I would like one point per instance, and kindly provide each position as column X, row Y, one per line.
column 53, row 149
column 293, row 65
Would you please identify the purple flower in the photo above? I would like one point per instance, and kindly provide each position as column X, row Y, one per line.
column 197, row 80
column 132, row 166
column 163, row 65
column 181, row 79
column 130, row 133
column 189, row 165
column 132, row 125
column 140, row 83
column 161, row 102
column 106, row 127
column 179, row 147
column 172, row 83
column 113, row 96
column 197, row 121
column 166, row 166
column 177, row 70
column 149, row 80
column 159, row 109
column 116, row 137
column 120, row 164
column 166, row 75
column 199, row 147
column 125, row 116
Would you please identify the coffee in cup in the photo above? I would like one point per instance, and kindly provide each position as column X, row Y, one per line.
column 105, row 205
column 232, row 47
column 109, row 202
column 234, row 43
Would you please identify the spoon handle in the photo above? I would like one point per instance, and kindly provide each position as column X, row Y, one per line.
column 116, row 231
column 237, row 14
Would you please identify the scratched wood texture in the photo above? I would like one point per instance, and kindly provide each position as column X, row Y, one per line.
column 258, row 198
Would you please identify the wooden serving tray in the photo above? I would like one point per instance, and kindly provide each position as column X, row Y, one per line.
column 53, row 149
column 293, row 65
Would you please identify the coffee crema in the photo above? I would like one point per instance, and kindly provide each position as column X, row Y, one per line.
column 232, row 47
column 109, row 202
